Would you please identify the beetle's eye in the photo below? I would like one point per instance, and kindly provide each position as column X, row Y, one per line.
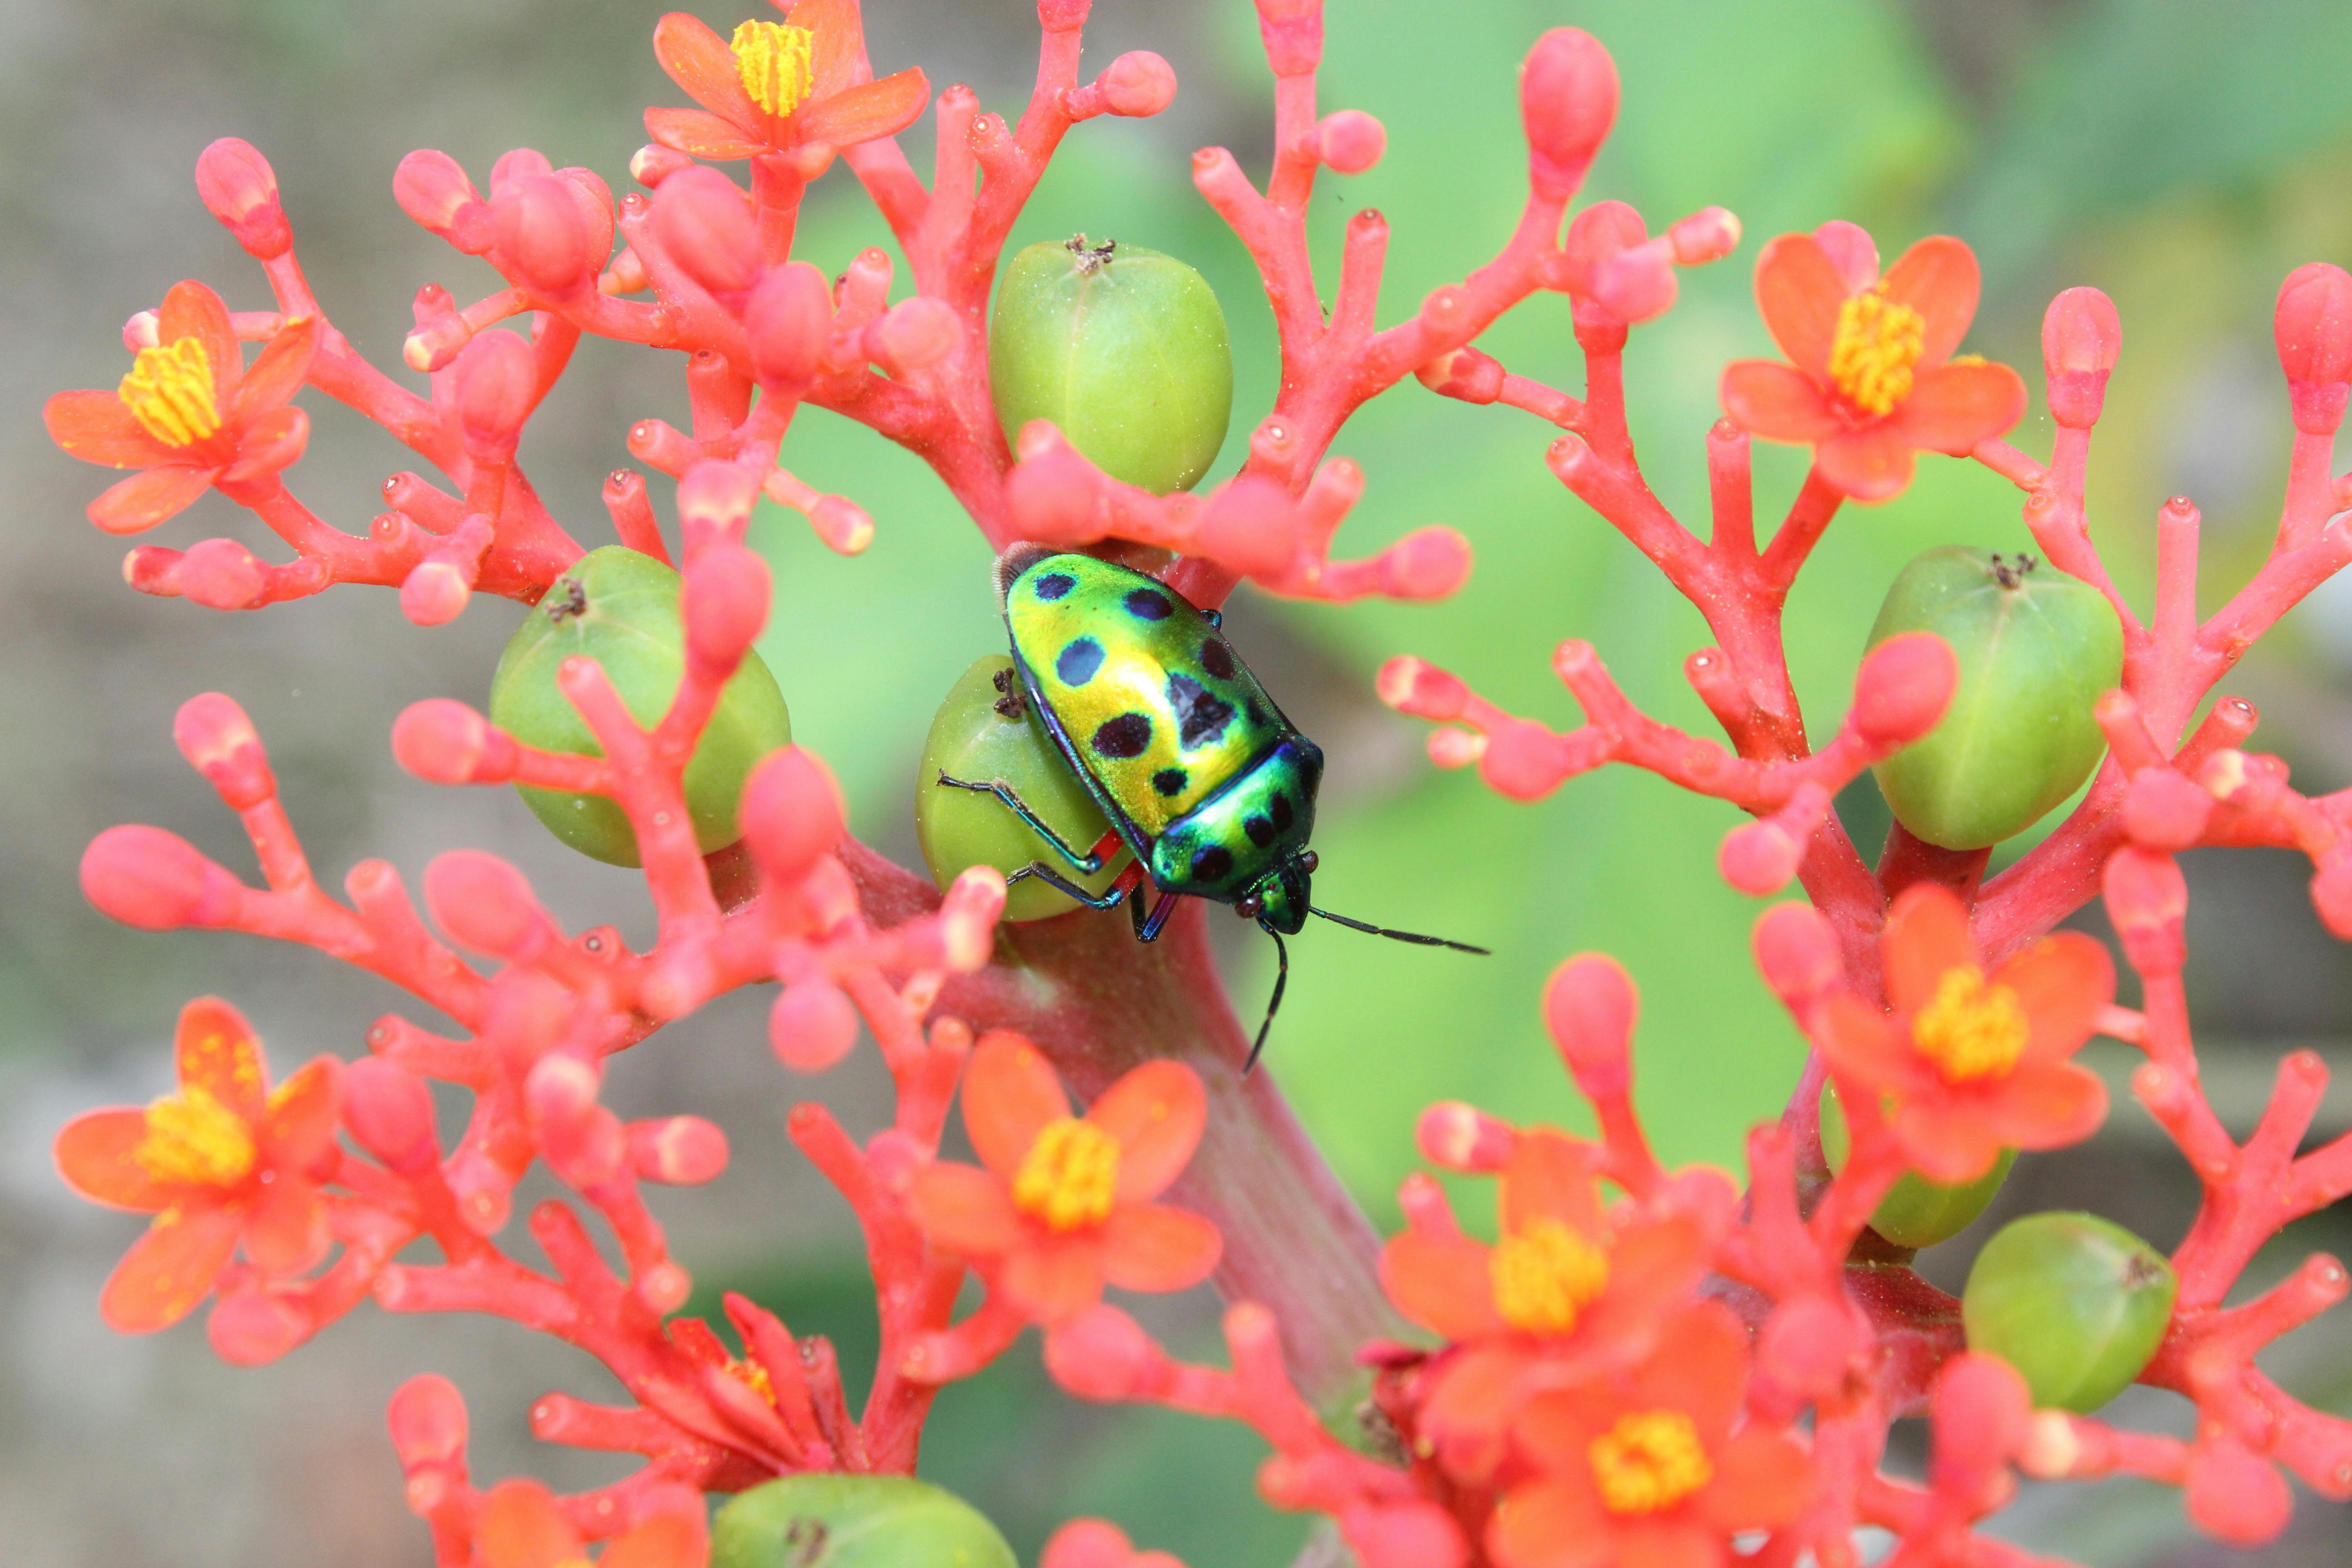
column 1248, row 908
column 1308, row 861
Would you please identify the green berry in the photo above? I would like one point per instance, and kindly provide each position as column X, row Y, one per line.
column 1122, row 348
column 2036, row 650
column 854, row 1522
column 620, row 609
column 1916, row 1211
column 987, row 730
column 2075, row 1303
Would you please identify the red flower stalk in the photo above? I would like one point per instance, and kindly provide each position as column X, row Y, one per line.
column 224, row 1160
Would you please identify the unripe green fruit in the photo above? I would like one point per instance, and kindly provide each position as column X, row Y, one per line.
column 1916, row 1211
column 1122, row 348
column 987, row 729
column 854, row 1522
column 620, row 609
column 2036, row 650
column 2075, row 1303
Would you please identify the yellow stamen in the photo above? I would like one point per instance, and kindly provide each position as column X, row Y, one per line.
column 1878, row 341
column 1970, row 1030
column 773, row 58
column 193, row 1138
column 1070, row 1176
column 169, row 392
column 1544, row 1276
column 753, row 1376
column 1649, row 1461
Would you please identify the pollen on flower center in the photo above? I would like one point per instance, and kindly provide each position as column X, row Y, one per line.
column 753, row 1376
column 193, row 1138
column 773, row 58
column 1878, row 341
column 1648, row 1461
column 1970, row 1030
column 1070, row 1176
column 169, row 392
column 1544, row 1276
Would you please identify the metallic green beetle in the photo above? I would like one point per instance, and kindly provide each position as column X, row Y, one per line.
column 1198, row 771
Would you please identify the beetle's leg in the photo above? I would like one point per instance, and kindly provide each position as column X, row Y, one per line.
column 1110, row 897
column 1087, row 862
column 1147, row 930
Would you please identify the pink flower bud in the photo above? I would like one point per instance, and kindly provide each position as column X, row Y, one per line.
column 1760, row 857
column 677, row 1151
column 2147, row 900
column 1250, row 526
column 1466, row 373
column 1292, row 32
column 1421, row 691
column 704, row 222
column 1407, row 1535
column 913, row 334
column 652, row 164
column 968, row 917
column 444, row 742
column 1568, row 101
column 432, row 189
column 842, row 524
column 725, row 603
column 1104, row 1355
column 1589, row 1006
column 497, row 383
column 1458, row 1137
column 1806, row 1346
column 435, row 592
column 561, row 1089
column 1428, row 563
column 1598, row 234
column 1138, row 84
column 388, row 1110
column 1351, row 142
column 237, row 186
column 2236, row 1496
column 812, row 1025
column 1087, row 1543
column 1797, row 953
column 2082, row 337
column 427, row 1416
column 714, row 503
column 212, row 732
column 789, row 321
column 1982, row 1413
column 1902, row 687
column 486, row 905
column 253, row 1328
column 221, row 575
column 2313, row 324
column 435, row 343
column 1523, row 760
column 2331, row 895
column 518, row 163
column 1062, row 15
column 2162, row 810
column 1707, row 235
column 791, row 814
column 543, row 236
column 156, row 880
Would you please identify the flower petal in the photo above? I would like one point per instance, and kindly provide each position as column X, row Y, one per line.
column 868, row 111
column 190, row 309
column 140, row 503
column 1151, row 1246
column 2050, row 1105
column 1445, row 1285
column 1052, row 1283
column 1939, row 279
column 273, row 441
column 1555, row 1430
column 965, row 1209
column 701, row 62
column 286, row 1231
column 1860, row 1042
column 170, row 1270
column 1701, row 1369
column 1926, row 937
column 1778, row 401
column 1556, row 1522
column 667, row 1541
column 2062, row 982
column 1851, row 251
column 838, row 52
column 1010, row 1093
column 521, row 1527
column 219, row 1054
column 1474, row 1395
column 1156, row 1112
column 1872, row 464
column 99, row 427
column 96, row 1155
column 298, row 1128
column 1950, row 1139
column 277, row 372
column 1670, row 1539
column 1800, row 293
column 1653, row 1268
column 1550, row 1177
column 1951, row 407
column 1761, row 1481
column 699, row 135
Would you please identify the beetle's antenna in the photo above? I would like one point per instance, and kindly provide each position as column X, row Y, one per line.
column 1399, row 935
column 1281, row 979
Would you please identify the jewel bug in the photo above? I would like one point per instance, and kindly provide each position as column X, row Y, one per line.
column 1197, row 769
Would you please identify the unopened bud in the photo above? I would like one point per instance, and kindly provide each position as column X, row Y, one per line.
column 427, row 1416
column 789, row 321
column 652, row 164
column 1428, row 563
column 1088, row 1543
column 1466, row 373
column 1567, row 101
column 2147, row 900
column 914, row 333
column 2313, row 324
column 844, row 525
column 433, row 189
column 2331, row 895
column 221, row 575
column 1421, row 691
column 812, row 1025
column 543, row 235
column 791, row 814
column 1902, row 687
column 486, row 905
column 1458, row 1137
column 968, row 917
column 155, row 880
column 1589, row 1006
column 2162, row 810
column 1797, row 953
column 447, row 742
column 388, row 1110
column 1806, row 1346
column 214, row 733
column 1250, row 526
column 1103, row 1355
column 2082, row 337
column 1638, row 284
column 677, row 1151
column 254, row 1326
column 704, row 222
column 1707, row 235
column 1138, row 84
column 725, row 605
column 714, row 503
column 2235, row 1495
column 1760, row 857
column 497, row 383
column 1982, row 1415
column 237, row 186
column 1407, row 1535
column 1351, row 142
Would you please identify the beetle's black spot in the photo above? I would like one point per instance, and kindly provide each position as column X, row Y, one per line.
column 1260, row 831
column 1200, row 716
column 1078, row 660
column 1279, row 806
column 1171, row 781
column 1149, row 605
column 1257, row 715
column 1054, row 584
column 1124, row 736
column 1217, row 659
column 1211, row 862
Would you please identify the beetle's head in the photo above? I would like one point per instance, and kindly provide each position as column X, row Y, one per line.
column 1278, row 900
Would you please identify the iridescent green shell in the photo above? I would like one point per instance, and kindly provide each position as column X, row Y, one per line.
column 1196, row 767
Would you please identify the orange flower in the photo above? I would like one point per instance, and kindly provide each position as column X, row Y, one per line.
column 189, row 412
column 1871, row 378
column 1064, row 1203
column 778, row 85
column 1972, row 1062
column 521, row 1527
column 225, row 1159
column 1648, row 1472
column 1565, row 1293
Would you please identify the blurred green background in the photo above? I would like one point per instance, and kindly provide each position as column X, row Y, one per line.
column 2184, row 155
